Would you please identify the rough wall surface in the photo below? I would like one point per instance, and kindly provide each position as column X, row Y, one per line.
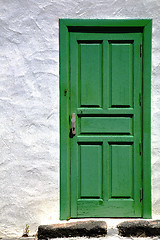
column 29, row 103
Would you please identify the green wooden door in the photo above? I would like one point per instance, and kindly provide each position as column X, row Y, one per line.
column 105, row 94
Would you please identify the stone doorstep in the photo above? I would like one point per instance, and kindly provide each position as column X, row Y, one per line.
column 140, row 228
column 135, row 228
column 73, row 229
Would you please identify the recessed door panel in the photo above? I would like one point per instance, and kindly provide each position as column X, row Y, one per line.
column 90, row 171
column 106, row 125
column 90, row 74
column 121, row 74
column 121, row 166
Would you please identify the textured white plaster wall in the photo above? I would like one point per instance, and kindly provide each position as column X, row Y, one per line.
column 29, row 103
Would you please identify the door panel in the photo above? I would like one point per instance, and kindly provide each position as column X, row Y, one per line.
column 90, row 171
column 90, row 74
column 106, row 82
column 121, row 170
column 106, row 125
column 121, row 74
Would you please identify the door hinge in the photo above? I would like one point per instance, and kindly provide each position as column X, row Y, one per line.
column 141, row 194
column 141, row 50
column 140, row 99
column 140, row 148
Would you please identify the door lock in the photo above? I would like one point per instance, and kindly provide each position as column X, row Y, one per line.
column 73, row 120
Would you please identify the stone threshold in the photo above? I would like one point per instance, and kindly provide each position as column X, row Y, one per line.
column 95, row 228
column 142, row 228
column 73, row 229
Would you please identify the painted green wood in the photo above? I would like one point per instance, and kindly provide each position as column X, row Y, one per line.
column 107, row 23
column 106, row 125
column 100, row 208
column 73, row 33
column 105, row 111
column 102, row 139
column 90, row 74
column 64, row 124
column 147, row 55
column 121, row 74
column 117, row 124
column 90, row 171
column 121, row 171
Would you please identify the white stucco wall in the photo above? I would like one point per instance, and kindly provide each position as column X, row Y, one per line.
column 29, row 103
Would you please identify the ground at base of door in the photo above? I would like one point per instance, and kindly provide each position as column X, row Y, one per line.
column 109, row 236
column 141, row 228
column 127, row 229
column 73, row 229
column 82, row 230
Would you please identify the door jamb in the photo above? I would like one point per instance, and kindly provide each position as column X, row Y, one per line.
column 65, row 25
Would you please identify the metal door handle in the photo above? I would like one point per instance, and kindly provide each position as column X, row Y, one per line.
column 73, row 120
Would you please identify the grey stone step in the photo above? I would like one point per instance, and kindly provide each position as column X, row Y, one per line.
column 73, row 229
column 140, row 228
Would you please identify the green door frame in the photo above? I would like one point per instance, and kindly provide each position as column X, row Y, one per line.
column 65, row 27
